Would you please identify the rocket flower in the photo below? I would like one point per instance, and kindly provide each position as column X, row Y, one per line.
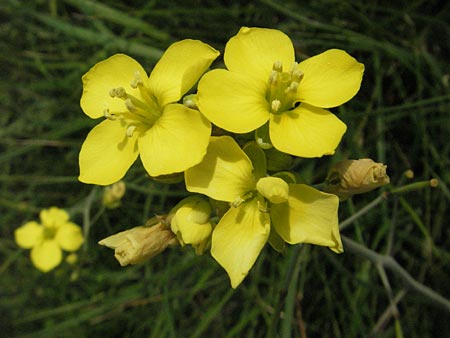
column 142, row 116
column 260, row 206
column 263, row 84
column 48, row 238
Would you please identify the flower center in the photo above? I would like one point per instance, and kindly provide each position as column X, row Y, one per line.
column 282, row 90
column 141, row 113
column 49, row 232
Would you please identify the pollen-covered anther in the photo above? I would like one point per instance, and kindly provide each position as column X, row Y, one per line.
column 292, row 88
column 277, row 66
column 130, row 130
column 275, row 105
column 137, row 81
column 118, row 92
column 297, row 75
column 108, row 115
column 237, row 202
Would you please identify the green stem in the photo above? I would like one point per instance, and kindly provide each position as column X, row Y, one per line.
column 293, row 270
column 391, row 264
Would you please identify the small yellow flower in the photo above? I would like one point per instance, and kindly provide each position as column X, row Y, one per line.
column 140, row 243
column 190, row 221
column 260, row 207
column 47, row 239
column 264, row 83
column 142, row 116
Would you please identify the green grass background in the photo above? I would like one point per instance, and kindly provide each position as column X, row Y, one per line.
column 401, row 117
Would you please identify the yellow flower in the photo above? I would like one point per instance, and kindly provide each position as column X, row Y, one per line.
column 259, row 206
column 264, row 83
column 142, row 116
column 48, row 239
column 190, row 221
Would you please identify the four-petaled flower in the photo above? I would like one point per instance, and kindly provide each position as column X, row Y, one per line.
column 142, row 114
column 260, row 206
column 48, row 239
column 264, row 83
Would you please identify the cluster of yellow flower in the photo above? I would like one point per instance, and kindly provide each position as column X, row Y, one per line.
column 262, row 89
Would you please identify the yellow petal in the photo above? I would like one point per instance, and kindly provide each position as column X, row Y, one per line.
column 253, row 52
column 179, row 69
column 233, row 101
column 69, row 237
column 46, row 255
column 177, row 141
column 239, row 238
column 225, row 172
column 53, row 217
column 29, row 235
column 309, row 216
column 306, row 131
column 273, row 188
column 107, row 153
column 330, row 79
column 117, row 71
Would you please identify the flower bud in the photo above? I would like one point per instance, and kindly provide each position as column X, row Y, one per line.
column 189, row 220
column 112, row 195
column 350, row 177
column 140, row 243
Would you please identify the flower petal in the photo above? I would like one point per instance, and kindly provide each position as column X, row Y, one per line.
column 239, row 238
column 29, row 235
column 233, row 101
column 330, row 79
column 225, row 172
column 46, row 256
column 179, row 69
column 306, row 131
column 177, row 141
column 309, row 216
column 117, row 71
column 53, row 217
column 69, row 237
column 253, row 52
column 107, row 153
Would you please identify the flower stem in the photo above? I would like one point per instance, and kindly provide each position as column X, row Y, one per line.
column 391, row 264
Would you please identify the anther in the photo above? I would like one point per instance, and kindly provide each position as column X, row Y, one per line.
column 130, row 130
column 118, row 92
column 297, row 75
column 108, row 115
column 137, row 81
column 277, row 66
column 273, row 77
column 292, row 88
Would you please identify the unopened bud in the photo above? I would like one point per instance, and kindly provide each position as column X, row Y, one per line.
column 112, row 195
column 190, row 221
column 350, row 177
column 140, row 243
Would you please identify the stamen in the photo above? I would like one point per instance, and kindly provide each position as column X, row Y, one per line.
column 108, row 115
column 273, row 77
column 297, row 75
column 294, row 67
column 137, row 81
column 292, row 88
column 277, row 66
column 130, row 130
column 118, row 92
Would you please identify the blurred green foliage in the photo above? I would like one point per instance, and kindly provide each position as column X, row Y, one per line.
column 400, row 117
